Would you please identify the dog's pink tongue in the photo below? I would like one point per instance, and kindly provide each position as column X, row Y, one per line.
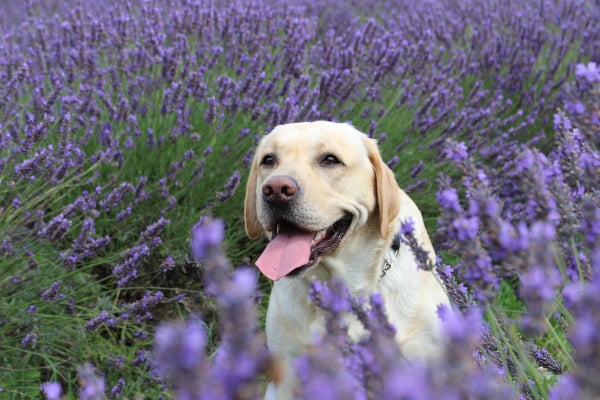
column 289, row 250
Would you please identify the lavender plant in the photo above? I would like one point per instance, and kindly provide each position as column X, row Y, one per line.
column 122, row 122
column 179, row 352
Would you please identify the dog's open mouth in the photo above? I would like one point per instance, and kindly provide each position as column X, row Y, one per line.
column 292, row 249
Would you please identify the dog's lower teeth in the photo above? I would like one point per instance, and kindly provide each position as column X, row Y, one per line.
column 319, row 236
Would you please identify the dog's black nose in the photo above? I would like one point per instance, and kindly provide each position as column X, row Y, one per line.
column 280, row 189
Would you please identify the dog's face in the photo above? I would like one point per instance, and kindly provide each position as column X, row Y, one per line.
column 310, row 185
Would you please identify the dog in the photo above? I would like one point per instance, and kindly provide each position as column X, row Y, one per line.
column 332, row 208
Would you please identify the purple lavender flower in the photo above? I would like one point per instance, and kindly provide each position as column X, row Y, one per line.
column 127, row 270
column 465, row 229
column 589, row 72
column 590, row 225
column 115, row 197
column 575, row 107
column 141, row 308
column 117, row 390
column 52, row 390
column 29, row 339
column 53, row 293
column 456, row 151
column 448, row 198
column 92, row 386
column 322, row 376
column 407, row 227
column 117, row 362
column 206, row 234
column 179, row 349
column 85, row 246
column 393, row 162
column 333, row 297
column 583, row 299
column 102, row 318
column 230, row 187
column 167, row 264
column 538, row 290
column 56, row 228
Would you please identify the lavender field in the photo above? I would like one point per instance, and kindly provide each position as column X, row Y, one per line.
column 126, row 131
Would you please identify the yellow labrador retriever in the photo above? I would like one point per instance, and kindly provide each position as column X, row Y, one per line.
column 332, row 208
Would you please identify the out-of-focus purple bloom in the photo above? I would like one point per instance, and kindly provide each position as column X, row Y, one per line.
column 417, row 169
column 456, row 151
column 575, row 107
column 29, row 339
column 92, row 386
column 589, row 72
column 538, row 289
column 465, row 228
column 206, row 234
column 168, row 263
column 323, row 376
column 561, row 122
column 179, row 349
column 583, row 300
column 52, row 390
column 393, row 161
column 332, row 297
column 590, row 224
column 142, row 358
column 448, row 198
column 566, row 388
column 117, row 362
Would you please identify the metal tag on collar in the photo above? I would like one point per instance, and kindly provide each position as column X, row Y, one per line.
column 387, row 263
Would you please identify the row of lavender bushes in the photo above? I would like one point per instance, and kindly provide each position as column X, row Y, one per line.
column 121, row 124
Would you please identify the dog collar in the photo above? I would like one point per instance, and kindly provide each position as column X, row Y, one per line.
column 387, row 262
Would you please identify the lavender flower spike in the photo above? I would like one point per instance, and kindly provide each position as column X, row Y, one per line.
column 179, row 353
column 92, row 386
column 589, row 71
column 206, row 234
column 51, row 390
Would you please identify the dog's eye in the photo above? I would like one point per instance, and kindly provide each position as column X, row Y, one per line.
column 268, row 160
column 330, row 160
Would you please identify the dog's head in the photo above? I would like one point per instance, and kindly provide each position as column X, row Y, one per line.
column 311, row 184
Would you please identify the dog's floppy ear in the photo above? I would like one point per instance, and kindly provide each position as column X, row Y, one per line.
column 253, row 227
column 388, row 197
